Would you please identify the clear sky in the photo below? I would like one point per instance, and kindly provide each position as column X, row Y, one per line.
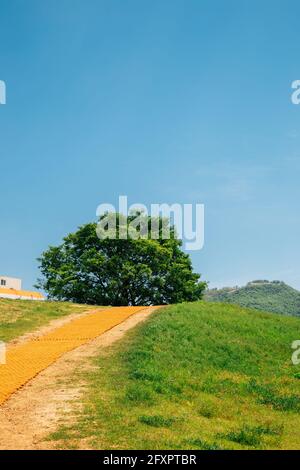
column 164, row 101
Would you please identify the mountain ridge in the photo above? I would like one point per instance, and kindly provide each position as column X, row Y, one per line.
column 272, row 296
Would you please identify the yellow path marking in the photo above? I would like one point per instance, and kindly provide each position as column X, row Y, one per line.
column 25, row 361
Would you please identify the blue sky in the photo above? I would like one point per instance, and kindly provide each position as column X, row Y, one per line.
column 164, row 101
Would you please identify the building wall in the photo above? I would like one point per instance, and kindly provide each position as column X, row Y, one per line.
column 20, row 295
column 11, row 288
column 10, row 283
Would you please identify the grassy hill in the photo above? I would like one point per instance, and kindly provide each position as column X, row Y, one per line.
column 21, row 316
column 273, row 296
column 194, row 376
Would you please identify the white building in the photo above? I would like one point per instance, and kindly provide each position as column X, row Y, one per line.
column 11, row 288
column 10, row 283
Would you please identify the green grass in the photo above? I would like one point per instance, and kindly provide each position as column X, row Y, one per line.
column 194, row 376
column 157, row 421
column 251, row 436
column 21, row 316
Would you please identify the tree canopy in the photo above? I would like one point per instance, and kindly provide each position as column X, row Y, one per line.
column 90, row 269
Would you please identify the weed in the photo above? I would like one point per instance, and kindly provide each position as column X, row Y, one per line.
column 157, row 421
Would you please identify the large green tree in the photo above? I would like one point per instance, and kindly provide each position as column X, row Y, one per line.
column 134, row 271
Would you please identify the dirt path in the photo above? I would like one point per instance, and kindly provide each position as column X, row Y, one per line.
column 34, row 411
column 27, row 359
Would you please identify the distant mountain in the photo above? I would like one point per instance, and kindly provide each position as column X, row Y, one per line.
column 275, row 296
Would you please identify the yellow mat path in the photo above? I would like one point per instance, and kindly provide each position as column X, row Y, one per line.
column 25, row 361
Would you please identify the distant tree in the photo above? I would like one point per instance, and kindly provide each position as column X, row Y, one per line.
column 92, row 270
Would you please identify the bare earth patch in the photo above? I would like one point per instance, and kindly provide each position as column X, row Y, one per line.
column 36, row 410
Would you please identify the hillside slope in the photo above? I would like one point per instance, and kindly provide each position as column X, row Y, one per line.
column 273, row 296
column 194, row 376
column 21, row 316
